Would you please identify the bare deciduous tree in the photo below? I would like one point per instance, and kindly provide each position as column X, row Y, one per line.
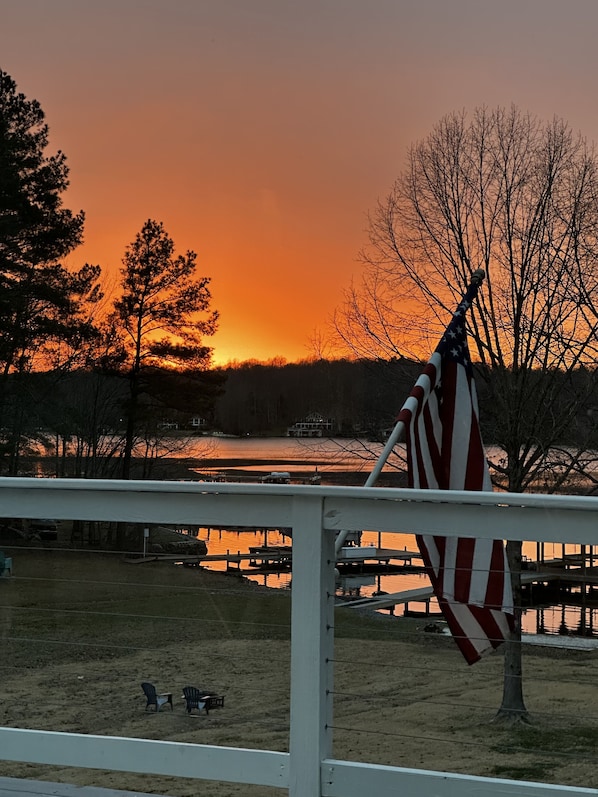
column 516, row 196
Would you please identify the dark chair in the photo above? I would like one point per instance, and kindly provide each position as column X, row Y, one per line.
column 154, row 698
column 5, row 564
column 201, row 699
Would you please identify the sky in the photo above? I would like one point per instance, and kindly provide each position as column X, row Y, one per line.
column 261, row 132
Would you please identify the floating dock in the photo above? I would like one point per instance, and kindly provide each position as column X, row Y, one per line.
column 552, row 571
column 354, row 559
column 267, row 558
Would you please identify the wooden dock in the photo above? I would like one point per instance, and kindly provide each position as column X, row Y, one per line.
column 425, row 594
column 567, row 570
column 419, row 595
column 280, row 557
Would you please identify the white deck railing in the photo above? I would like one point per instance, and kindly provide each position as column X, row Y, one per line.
column 315, row 514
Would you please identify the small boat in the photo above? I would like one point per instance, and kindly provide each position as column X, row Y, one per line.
column 276, row 477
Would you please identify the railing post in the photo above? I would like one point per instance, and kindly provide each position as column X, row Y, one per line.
column 312, row 647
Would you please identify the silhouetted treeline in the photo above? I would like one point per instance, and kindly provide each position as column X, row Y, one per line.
column 364, row 398
column 361, row 397
column 78, row 418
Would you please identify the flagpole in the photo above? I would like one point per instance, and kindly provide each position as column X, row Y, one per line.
column 396, row 436
column 398, row 432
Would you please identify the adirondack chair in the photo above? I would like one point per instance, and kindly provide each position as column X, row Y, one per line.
column 5, row 564
column 201, row 700
column 154, row 698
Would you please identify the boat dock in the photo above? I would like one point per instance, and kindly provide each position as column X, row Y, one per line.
column 265, row 558
column 420, row 595
column 555, row 571
column 352, row 559
column 543, row 580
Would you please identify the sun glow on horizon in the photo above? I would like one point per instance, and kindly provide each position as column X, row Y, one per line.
column 262, row 142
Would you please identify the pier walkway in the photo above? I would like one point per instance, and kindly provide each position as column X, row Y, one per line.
column 425, row 594
column 273, row 557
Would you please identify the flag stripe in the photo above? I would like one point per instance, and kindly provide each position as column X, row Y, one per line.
column 470, row 577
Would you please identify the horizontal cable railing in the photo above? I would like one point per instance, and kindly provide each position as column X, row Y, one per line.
column 296, row 724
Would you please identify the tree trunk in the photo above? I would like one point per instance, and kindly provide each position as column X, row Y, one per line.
column 15, row 442
column 132, row 410
column 513, row 708
column 121, row 528
column 129, row 439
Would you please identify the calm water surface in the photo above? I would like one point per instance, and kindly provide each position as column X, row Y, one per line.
column 264, row 453
column 551, row 620
column 329, row 455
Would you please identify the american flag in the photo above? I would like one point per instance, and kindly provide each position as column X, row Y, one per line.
column 470, row 577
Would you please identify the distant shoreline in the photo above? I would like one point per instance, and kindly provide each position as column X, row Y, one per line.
column 245, row 471
column 231, row 469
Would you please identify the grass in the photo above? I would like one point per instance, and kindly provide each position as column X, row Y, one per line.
column 565, row 740
column 546, row 748
column 535, row 771
column 394, row 704
column 61, row 605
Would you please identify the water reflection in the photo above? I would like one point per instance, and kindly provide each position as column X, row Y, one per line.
column 577, row 616
column 563, row 620
column 266, row 454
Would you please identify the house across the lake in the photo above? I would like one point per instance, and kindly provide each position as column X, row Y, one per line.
column 197, row 422
column 313, row 426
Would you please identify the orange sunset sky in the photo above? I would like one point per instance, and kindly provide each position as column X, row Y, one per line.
column 262, row 131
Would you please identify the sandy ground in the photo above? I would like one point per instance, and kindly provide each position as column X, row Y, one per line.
column 409, row 701
column 399, row 703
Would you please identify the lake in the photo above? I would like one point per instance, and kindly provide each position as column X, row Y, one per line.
column 331, row 455
column 299, row 454
column 557, row 619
